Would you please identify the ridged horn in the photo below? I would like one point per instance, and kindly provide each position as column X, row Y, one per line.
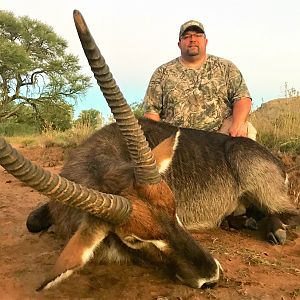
column 111, row 208
column 145, row 166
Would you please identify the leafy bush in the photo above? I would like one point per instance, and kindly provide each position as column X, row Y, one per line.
column 15, row 129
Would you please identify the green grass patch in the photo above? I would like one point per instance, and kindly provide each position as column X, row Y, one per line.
column 51, row 138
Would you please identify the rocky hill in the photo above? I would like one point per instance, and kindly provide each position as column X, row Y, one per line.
column 274, row 109
column 278, row 124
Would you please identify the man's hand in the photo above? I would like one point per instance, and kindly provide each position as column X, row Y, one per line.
column 238, row 129
column 152, row 116
column 234, row 129
column 240, row 113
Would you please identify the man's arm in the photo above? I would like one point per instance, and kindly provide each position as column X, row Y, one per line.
column 152, row 116
column 240, row 113
column 153, row 98
column 240, row 99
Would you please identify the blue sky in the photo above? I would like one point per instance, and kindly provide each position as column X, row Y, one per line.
column 259, row 36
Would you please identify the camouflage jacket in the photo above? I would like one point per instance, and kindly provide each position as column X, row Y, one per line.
column 200, row 98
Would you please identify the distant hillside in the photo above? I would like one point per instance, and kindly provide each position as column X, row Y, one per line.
column 274, row 109
column 278, row 124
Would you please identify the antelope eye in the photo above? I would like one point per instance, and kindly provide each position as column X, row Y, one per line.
column 132, row 240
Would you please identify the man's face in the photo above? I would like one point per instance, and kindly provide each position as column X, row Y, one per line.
column 192, row 43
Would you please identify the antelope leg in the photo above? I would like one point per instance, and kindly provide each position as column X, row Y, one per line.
column 78, row 251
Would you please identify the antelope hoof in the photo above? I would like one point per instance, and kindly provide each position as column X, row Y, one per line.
column 39, row 219
column 278, row 237
column 251, row 223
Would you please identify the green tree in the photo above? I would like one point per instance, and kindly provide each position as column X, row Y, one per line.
column 91, row 117
column 54, row 116
column 58, row 117
column 36, row 71
column 138, row 109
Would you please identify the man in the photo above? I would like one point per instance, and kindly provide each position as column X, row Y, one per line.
column 199, row 90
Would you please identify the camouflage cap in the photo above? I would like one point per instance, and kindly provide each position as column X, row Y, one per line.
column 192, row 23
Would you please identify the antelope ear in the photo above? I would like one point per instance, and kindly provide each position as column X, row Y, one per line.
column 164, row 152
column 78, row 251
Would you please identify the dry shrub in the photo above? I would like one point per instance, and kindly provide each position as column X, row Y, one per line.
column 50, row 138
column 79, row 133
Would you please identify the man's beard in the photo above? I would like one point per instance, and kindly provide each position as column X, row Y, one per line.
column 193, row 51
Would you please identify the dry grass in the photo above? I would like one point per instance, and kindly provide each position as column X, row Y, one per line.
column 50, row 138
column 278, row 125
column 69, row 138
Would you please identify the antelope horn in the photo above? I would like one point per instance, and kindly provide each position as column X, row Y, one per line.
column 111, row 208
column 145, row 166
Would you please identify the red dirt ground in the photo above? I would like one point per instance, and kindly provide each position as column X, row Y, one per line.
column 253, row 269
